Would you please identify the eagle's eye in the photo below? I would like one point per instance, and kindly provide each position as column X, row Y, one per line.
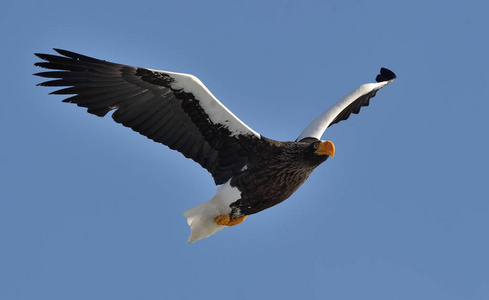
column 315, row 146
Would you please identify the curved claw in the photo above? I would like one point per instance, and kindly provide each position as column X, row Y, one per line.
column 227, row 221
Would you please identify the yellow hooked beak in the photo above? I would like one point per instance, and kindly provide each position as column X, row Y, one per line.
column 326, row 148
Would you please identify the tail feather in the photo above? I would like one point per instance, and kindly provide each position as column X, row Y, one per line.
column 201, row 217
column 201, row 220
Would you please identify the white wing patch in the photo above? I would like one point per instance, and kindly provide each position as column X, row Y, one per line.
column 217, row 112
column 321, row 123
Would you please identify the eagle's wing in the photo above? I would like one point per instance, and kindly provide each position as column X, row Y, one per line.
column 174, row 109
column 347, row 105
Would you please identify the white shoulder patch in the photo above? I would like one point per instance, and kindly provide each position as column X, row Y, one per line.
column 217, row 112
column 321, row 123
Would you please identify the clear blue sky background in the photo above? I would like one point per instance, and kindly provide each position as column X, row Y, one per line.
column 92, row 210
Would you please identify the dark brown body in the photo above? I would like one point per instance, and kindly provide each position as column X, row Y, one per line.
column 273, row 174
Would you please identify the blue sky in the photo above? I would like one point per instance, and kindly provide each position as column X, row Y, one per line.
column 92, row 210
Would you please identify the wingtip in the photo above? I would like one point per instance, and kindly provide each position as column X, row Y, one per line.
column 385, row 75
column 40, row 56
column 65, row 52
column 43, row 55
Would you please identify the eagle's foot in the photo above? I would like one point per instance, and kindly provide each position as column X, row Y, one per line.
column 227, row 221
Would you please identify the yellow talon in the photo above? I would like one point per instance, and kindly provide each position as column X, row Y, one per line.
column 236, row 221
column 222, row 219
column 227, row 221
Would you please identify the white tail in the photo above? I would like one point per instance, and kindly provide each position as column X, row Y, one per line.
column 201, row 220
column 201, row 217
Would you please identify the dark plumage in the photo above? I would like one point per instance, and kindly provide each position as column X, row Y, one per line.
column 273, row 174
column 143, row 100
column 177, row 110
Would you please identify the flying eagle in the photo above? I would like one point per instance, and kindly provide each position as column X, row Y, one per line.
column 253, row 172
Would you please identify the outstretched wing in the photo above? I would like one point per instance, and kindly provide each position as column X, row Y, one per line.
column 351, row 103
column 174, row 109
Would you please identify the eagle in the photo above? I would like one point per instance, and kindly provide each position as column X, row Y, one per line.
column 252, row 172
